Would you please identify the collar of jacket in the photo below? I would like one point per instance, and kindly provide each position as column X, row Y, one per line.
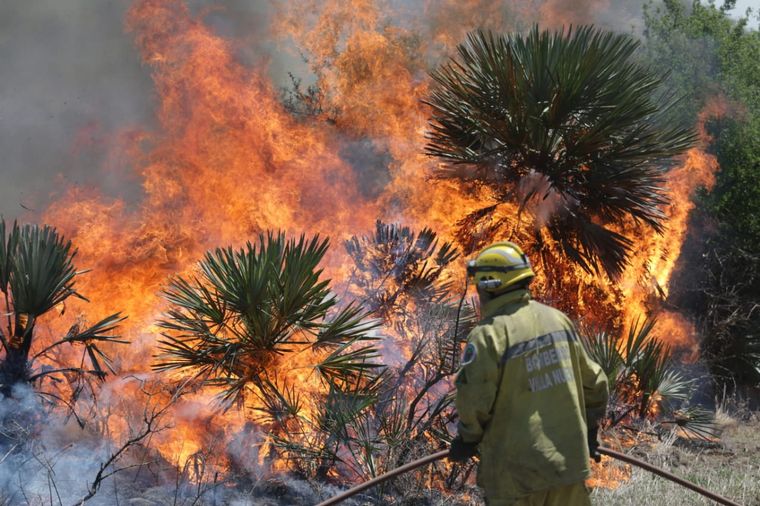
column 493, row 306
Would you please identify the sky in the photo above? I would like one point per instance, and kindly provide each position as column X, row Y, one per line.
column 741, row 8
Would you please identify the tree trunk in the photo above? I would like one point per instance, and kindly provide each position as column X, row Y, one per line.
column 13, row 369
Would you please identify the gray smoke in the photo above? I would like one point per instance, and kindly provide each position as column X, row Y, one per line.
column 70, row 81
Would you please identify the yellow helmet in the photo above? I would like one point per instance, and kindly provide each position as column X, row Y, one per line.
column 498, row 267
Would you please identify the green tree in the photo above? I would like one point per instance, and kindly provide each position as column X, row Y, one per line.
column 566, row 124
column 710, row 55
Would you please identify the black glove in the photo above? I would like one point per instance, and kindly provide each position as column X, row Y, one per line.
column 593, row 443
column 461, row 451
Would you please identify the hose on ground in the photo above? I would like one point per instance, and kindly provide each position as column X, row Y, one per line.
column 602, row 450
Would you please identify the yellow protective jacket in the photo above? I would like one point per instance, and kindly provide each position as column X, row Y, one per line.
column 525, row 391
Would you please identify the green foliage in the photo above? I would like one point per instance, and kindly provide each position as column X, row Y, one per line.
column 43, row 273
column 565, row 120
column 8, row 242
column 708, row 55
column 642, row 376
column 602, row 347
column 735, row 200
column 37, row 273
column 252, row 305
column 705, row 50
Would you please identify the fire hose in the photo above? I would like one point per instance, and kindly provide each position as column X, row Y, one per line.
column 602, row 450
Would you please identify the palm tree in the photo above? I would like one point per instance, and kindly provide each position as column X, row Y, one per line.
column 250, row 306
column 36, row 275
column 644, row 380
column 567, row 125
column 235, row 325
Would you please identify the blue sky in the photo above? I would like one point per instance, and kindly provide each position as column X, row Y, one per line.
column 741, row 7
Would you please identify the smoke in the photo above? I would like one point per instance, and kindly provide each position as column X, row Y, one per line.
column 38, row 464
column 71, row 85
column 55, row 456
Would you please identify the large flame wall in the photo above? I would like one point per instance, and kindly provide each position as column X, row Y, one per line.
column 228, row 160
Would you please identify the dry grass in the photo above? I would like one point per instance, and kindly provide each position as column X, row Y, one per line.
column 731, row 469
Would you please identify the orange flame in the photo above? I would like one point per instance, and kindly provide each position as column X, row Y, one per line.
column 229, row 161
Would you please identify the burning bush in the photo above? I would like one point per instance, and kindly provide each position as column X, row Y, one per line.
column 402, row 275
column 259, row 327
column 645, row 382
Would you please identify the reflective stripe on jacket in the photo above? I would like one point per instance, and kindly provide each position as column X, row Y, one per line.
column 524, row 392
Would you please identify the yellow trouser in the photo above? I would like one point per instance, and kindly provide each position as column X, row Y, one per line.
column 567, row 495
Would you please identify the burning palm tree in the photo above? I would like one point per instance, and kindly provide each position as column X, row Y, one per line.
column 243, row 323
column 566, row 124
column 645, row 381
column 37, row 274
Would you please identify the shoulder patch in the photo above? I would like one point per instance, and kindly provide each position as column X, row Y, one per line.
column 469, row 355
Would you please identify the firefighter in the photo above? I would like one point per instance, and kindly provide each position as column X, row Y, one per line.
column 528, row 397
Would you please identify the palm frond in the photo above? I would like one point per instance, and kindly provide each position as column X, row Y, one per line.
column 229, row 326
column 671, row 385
column 602, row 348
column 279, row 402
column 567, row 116
column 393, row 422
column 696, row 422
column 342, row 407
column 99, row 333
column 8, row 242
column 638, row 335
column 349, row 362
column 350, row 323
column 396, row 263
column 42, row 274
column 365, row 446
column 302, row 453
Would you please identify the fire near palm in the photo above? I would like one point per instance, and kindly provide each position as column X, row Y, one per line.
column 283, row 310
